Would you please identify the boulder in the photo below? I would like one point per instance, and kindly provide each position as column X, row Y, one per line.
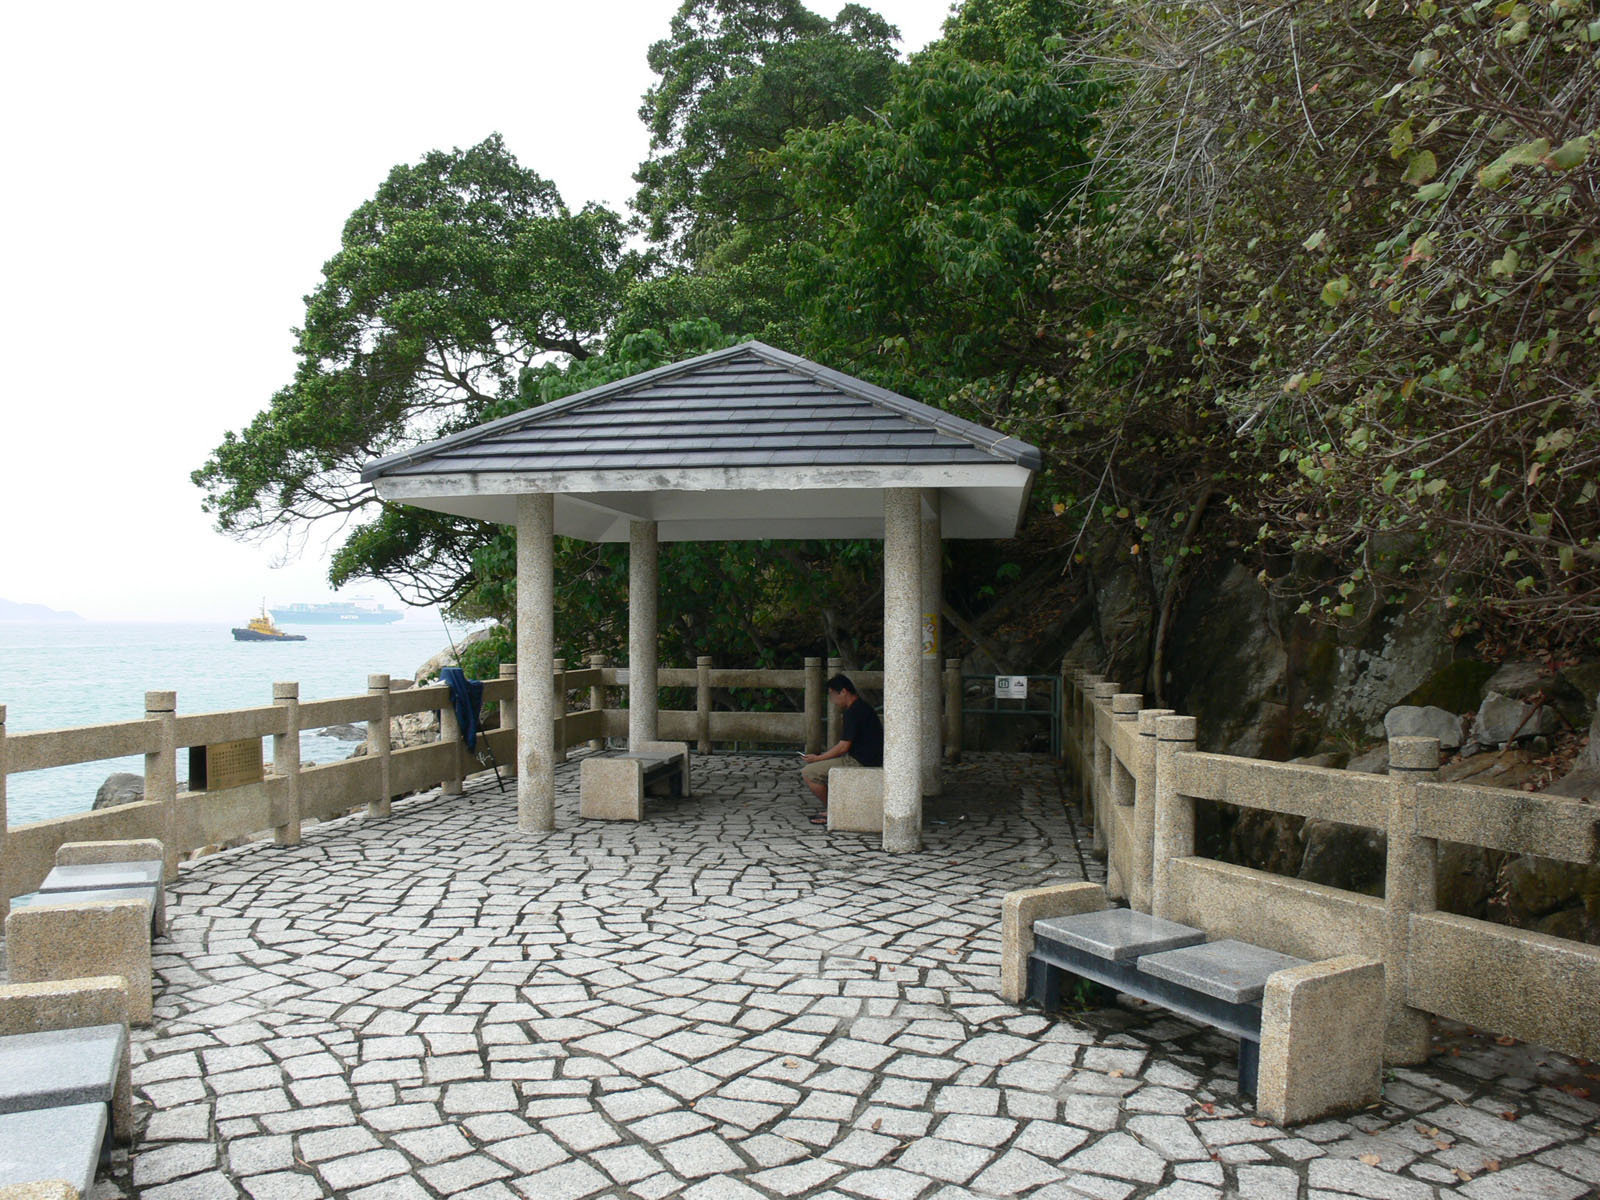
column 1521, row 679
column 1410, row 720
column 1502, row 718
column 121, row 788
column 1371, row 762
column 345, row 733
column 1343, row 856
column 1466, row 878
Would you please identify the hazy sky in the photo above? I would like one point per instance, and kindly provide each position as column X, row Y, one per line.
column 179, row 174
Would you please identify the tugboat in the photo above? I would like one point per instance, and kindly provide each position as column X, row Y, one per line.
column 261, row 629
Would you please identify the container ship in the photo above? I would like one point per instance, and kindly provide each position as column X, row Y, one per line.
column 338, row 612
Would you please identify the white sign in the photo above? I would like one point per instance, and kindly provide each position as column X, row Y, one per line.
column 1010, row 687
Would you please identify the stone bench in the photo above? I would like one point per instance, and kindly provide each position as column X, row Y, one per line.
column 66, row 1091
column 94, row 913
column 612, row 785
column 1310, row 1033
column 855, row 800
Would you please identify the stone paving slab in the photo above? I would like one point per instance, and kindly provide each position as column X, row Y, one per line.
column 726, row 1001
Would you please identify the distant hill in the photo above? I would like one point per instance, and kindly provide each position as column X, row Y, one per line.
column 10, row 610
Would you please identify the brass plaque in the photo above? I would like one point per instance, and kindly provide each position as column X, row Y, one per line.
column 230, row 765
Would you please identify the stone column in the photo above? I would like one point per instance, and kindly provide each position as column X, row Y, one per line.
column 558, row 668
column 816, row 706
column 536, row 653
column 702, row 702
column 1174, row 825
column 286, row 762
column 1099, row 782
column 835, row 718
column 902, row 670
column 1119, row 793
column 161, row 770
column 1140, row 886
column 597, row 700
column 1411, row 887
column 643, row 555
column 380, row 745
column 450, row 735
column 5, row 849
column 1085, row 753
column 932, row 579
column 953, row 702
column 508, row 715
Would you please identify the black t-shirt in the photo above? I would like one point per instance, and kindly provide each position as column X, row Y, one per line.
column 864, row 732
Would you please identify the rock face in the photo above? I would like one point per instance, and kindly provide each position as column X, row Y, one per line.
column 120, row 788
column 345, row 733
column 1409, row 720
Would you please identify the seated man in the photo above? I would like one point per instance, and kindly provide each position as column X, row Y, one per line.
column 860, row 743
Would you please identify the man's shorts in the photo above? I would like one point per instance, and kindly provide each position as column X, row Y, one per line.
column 817, row 772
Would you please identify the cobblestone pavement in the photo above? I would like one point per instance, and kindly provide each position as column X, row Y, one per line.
column 724, row 1002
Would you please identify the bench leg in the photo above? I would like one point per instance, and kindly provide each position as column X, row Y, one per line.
column 1044, row 985
column 1249, row 1066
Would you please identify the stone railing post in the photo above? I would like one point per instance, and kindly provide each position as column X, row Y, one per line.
column 379, row 745
column 286, row 763
column 1098, row 783
column 1125, row 708
column 450, row 735
column 816, row 706
column 1141, row 885
column 161, row 771
column 559, row 667
column 1410, row 887
column 1120, row 794
column 508, row 717
column 954, row 698
column 835, row 666
column 1173, row 836
column 702, row 702
column 5, row 858
column 1085, row 771
column 597, row 700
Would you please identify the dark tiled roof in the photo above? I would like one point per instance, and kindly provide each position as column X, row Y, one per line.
column 748, row 406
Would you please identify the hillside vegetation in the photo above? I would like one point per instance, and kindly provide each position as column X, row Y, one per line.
column 1299, row 293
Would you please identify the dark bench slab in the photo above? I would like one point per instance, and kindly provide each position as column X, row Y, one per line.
column 658, row 766
column 1235, row 972
column 60, row 1067
column 94, row 876
column 53, row 1143
column 1117, row 934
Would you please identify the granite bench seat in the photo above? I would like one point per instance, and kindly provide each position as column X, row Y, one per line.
column 43, row 1144
column 112, row 876
column 1310, row 1032
column 66, row 1088
column 148, row 894
column 612, row 785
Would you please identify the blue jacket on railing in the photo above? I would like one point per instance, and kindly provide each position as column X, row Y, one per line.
column 466, row 697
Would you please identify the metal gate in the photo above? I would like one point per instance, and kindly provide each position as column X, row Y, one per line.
column 996, row 696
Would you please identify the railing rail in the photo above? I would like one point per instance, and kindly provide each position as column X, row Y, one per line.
column 1140, row 775
column 290, row 793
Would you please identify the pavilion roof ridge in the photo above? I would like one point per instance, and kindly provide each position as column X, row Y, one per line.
column 1001, row 446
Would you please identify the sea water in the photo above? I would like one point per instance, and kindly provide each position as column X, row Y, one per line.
column 54, row 675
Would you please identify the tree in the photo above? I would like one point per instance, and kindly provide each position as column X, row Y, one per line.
column 462, row 271
column 1353, row 254
column 736, row 76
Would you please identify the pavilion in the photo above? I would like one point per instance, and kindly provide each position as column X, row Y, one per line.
column 740, row 444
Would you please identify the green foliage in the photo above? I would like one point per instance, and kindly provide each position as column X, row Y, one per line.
column 928, row 214
column 460, row 272
column 1351, row 278
column 735, row 78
